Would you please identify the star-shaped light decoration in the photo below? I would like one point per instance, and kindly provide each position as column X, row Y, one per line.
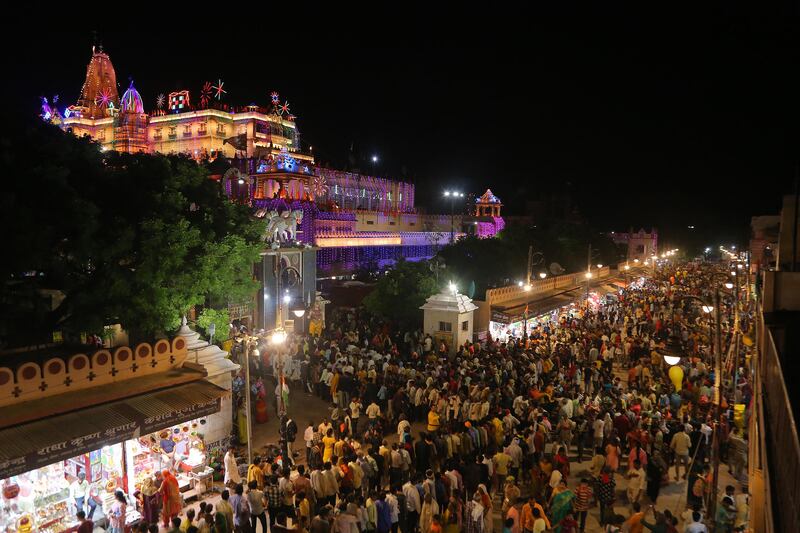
column 283, row 108
column 219, row 91
column 104, row 98
column 205, row 94
column 275, row 97
column 160, row 99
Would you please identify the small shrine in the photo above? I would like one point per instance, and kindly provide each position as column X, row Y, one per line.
column 488, row 205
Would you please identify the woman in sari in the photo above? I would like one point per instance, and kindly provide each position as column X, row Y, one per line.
column 171, row 498
column 560, row 505
column 430, row 508
column 151, row 501
column 562, row 462
column 474, row 516
column 452, row 517
column 486, row 502
column 612, row 455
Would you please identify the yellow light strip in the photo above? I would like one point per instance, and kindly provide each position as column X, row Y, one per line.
column 340, row 242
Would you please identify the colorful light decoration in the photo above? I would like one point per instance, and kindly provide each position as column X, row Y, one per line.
column 179, row 101
column 283, row 108
column 219, row 91
column 275, row 97
column 104, row 98
column 205, row 94
column 131, row 101
column 285, row 161
column 319, row 185
column 160, row 99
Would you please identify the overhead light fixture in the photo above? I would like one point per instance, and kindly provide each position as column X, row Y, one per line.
column 542, row 275
column 588, row 275
column 299, row 312
column 707, row 309
column 672, row 360
column 729, row 285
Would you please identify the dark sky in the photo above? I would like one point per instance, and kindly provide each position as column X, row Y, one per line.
column 666, row 126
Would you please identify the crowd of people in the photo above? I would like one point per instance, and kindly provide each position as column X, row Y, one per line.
column 523, row 436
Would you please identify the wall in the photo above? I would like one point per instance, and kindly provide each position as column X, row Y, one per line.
column 218, row 426
column 33, row 381
column 781, row 291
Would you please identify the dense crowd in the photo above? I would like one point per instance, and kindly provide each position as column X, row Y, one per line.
column 503, row 426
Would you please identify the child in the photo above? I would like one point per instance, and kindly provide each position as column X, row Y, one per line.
column 569, row 524
column 509, row 523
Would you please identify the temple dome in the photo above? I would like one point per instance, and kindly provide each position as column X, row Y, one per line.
column 99, row 91
column 131, row 101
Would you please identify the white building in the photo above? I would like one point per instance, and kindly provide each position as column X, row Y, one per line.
column 449, row 318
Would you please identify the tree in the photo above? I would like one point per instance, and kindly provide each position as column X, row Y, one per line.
column 135, row 239
column 221, row 320
column 399, row 294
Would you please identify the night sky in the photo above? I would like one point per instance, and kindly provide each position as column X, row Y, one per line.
column 643, row 126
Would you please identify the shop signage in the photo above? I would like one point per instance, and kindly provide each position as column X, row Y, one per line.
column 139, row 424
column 500, row 318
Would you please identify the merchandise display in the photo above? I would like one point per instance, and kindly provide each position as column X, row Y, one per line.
column 41, row 501
column 179, row 449
column 36, row 501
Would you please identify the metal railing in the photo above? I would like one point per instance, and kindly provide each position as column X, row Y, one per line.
column 780, row 432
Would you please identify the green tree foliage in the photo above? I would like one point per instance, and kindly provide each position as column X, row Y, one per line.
column 135, row 239
column 399, row 294
column 504, row 260
column 220, row 318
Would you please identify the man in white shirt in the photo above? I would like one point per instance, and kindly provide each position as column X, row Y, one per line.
column 355, row 413
column 373, row 411
column 79, row 490
column 695, row 526
column 308, row 436
column 598, row 425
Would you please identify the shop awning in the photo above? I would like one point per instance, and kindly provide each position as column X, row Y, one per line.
column 29, row 446
column 509, row 315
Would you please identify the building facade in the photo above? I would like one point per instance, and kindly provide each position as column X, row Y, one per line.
column 641, row 244
column 353, row 219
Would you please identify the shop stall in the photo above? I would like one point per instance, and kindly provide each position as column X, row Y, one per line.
column 42, row 460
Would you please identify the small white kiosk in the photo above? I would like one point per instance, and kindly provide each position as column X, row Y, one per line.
column 448, row 317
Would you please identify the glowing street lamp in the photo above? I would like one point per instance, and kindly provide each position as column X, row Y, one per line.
column 542, row 275
column 707, row 308
column 588, row 275
column 452, row 195
column 672, row 360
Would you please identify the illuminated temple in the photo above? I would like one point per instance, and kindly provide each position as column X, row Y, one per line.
column 254, row 151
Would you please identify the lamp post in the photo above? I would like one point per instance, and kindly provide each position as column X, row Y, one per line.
column 250, row 348
column 715, row 307
column 452, row 195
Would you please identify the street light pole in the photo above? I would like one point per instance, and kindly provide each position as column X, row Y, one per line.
column 248, row 349
column 452, row 195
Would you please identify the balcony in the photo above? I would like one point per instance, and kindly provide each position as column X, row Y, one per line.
column 157, row 137
column 187, row 133
column 202, row 133
column 172, row 136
